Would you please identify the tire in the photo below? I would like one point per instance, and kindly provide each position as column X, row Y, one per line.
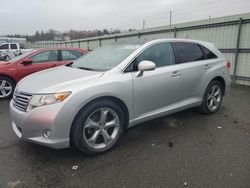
column 7, row 58
column 7, row 87
column 212, row 98
column 90, row 127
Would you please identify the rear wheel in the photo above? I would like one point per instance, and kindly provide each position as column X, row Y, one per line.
column 212, row 98
column 98, row 127
column 7, row 87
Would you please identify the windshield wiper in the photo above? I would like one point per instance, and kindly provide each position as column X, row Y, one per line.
column 69, row 64
column 83, row 68
column 86, row 68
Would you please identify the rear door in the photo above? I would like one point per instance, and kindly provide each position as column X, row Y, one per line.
column 40, row 61
column 66, row 56
column 196, row 69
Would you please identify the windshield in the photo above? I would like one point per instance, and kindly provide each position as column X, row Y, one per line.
column 20, row 56
column 105, row 58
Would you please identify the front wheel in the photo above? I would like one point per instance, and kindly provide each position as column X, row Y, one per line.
column 7, row 58
column 212, row 98
column 98, row 127
column 7, row 87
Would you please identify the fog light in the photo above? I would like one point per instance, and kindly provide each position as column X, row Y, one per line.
column 46, row 133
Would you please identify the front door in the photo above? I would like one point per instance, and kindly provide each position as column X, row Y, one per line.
column 40, row 61
column 156, row 90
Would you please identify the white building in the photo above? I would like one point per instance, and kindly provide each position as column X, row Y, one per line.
column 12, row 40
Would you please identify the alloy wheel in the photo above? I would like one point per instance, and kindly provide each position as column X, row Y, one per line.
column 101, row 128
column 5, row 88
column 214, row 97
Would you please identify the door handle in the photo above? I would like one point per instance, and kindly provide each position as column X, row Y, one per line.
column 175, row 74
column 207, row 67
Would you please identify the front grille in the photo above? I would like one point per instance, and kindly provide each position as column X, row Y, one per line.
column 21, row 100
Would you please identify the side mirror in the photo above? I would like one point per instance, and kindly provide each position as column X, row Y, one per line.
column 146, row 66
column 26, row 61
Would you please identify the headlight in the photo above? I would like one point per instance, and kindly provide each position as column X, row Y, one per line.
column 41, row 100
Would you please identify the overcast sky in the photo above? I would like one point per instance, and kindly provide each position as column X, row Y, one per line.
column 27, row 16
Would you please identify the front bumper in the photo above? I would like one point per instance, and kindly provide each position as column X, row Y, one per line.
column 57, row 118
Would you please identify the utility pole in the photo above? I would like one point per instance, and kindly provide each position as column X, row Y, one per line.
column 143, row 24
column 170, row 21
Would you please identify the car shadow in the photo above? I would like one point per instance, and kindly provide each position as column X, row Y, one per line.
column 168, row 127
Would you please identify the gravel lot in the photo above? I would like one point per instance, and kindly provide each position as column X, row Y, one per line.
column 186, row 149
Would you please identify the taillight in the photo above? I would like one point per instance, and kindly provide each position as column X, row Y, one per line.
column 228, row 64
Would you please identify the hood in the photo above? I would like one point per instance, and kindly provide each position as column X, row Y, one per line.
column 52, row 80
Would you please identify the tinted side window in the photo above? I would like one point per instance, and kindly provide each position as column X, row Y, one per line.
column 70, row 54
column 13, row 46
column 4, row 47
column 208, row 54
column 187, row 52
column 47, row 56
column 161, row 54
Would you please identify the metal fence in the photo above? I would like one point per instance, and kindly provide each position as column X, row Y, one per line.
column 230, row 34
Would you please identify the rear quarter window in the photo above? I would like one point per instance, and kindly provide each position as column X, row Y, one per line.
column 207, row 53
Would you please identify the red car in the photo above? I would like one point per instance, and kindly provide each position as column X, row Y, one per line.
column 44, row 58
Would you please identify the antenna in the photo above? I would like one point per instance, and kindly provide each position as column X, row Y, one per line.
column 143, row 24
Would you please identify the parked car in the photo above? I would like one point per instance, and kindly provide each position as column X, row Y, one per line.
column 91, row 102
column 13, row 48
column 4, row 56
column 15, row 69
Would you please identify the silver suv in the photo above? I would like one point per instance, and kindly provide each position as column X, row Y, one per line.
column 91, row 102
